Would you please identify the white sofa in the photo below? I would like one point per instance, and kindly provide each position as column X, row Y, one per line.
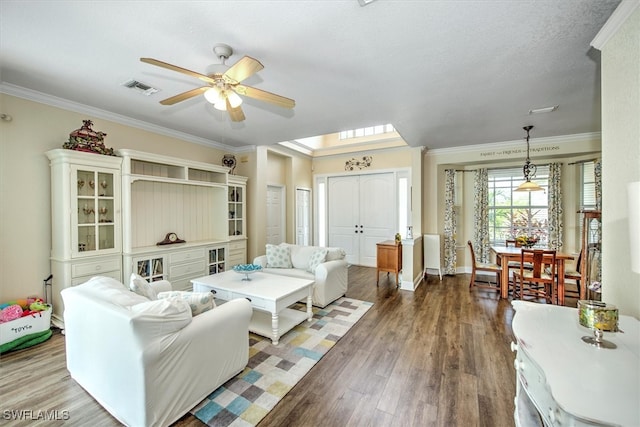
column 330, row 271
column 148, row 362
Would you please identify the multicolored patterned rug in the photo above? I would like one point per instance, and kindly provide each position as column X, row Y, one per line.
column 273, row 370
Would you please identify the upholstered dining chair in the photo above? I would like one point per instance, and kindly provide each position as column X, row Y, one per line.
column 486, row 267
column 539, row 282
column 573, row 276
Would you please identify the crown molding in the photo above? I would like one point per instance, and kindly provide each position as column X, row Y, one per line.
column 65, row 104
column 514, row 144
column 615, row 21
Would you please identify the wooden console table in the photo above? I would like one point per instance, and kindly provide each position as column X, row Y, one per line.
column 389, row 258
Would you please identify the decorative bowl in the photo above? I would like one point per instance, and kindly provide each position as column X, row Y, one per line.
column 246, row 269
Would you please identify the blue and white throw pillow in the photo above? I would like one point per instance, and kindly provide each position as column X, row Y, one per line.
column 278, row 256
column 316, row 259
column 199, row 302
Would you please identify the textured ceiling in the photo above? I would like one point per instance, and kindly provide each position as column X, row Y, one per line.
column 444, row 73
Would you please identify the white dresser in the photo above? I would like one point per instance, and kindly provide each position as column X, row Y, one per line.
column 562, row 381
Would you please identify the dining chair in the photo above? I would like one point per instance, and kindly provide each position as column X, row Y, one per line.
column 512, row 242
column 539, row 282
column 574, row 277
column 514, row 265
column 483, row 267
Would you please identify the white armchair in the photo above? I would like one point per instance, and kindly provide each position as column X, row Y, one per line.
column 149, row 362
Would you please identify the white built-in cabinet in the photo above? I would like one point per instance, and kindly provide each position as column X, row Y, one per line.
column 85, row 219
column 109, row 213
column 237, row 220
column 163, row 195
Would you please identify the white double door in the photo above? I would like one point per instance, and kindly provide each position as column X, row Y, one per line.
column 362, row 211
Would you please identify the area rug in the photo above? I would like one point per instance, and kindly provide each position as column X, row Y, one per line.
column 273, row 370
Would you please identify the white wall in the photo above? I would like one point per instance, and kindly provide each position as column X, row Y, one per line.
column 620, row 161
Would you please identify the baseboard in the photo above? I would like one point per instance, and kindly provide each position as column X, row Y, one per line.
column 406, row 285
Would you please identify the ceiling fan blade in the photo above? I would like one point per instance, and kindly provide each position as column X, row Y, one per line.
column 202, row 77
column 263, row 95
column 236, row 114
column 185, row 95
column 244, row 68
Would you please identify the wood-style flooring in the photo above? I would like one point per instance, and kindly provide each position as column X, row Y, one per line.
column 438, row 356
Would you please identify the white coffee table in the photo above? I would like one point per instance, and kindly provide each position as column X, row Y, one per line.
column 268, row 293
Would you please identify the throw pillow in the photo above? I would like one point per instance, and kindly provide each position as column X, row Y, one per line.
column 153, row 319
column 141, row 287
column 278, row 256
column 335, row 254
column 316, row 259
column 198, row 301
column 300, row 255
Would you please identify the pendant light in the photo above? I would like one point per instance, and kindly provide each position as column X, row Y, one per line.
column 529, row 170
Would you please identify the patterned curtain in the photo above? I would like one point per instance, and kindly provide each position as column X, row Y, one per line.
column 481, row 215
column 555, row 206
column 597, row 172
column 450, row 229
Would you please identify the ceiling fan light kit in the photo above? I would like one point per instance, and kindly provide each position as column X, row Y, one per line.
column 223, row 87
column 212, row 95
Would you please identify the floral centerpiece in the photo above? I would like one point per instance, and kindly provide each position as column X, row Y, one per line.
column 526, row 241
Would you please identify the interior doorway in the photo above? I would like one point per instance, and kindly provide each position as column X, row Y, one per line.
column 361, row 211
column 275, row 214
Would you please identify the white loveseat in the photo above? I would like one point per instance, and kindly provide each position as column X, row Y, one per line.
column 327, row 266
column 148, row 362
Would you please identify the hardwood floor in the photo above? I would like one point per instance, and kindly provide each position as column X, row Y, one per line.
column 438, row 356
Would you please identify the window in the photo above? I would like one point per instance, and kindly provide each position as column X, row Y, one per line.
column 588, row 186
column 322, row 212
column 587, row 195
column 369, row 131
column 513, row 213
column 404, row 203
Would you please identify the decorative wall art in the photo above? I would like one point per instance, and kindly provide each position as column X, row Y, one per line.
column 360, row 164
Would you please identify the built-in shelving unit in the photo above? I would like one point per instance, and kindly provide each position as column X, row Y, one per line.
column 85, row 218
column 162, row 194
column 110, row 212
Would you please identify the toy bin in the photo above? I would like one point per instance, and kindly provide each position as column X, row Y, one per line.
column 31, row 324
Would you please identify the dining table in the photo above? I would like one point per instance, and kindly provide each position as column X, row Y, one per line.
column 506, row 254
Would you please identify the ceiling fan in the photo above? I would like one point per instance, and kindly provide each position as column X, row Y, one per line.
column 223, row 85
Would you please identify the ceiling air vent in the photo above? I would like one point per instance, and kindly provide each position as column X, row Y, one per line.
column 140, row 87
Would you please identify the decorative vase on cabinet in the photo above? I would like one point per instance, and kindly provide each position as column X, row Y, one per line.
column 85, row 219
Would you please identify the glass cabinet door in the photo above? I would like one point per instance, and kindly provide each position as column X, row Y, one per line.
column 95, row 207
column 236, row 210
column 592, row 229
column 217, row 260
